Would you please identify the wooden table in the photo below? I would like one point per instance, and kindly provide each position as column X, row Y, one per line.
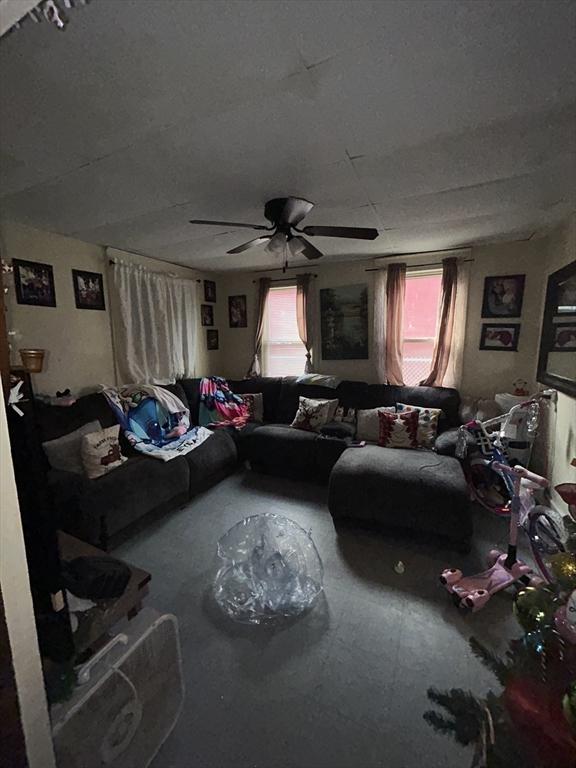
column 94, row 625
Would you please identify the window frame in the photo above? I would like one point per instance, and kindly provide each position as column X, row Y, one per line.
column 412, row 274
column 267, row 344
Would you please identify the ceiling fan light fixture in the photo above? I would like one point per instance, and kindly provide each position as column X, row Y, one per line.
column 277, row 243
column 296, row 246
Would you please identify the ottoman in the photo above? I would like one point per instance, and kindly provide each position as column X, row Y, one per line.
column 418, row 490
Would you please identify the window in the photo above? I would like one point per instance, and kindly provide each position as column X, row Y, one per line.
column 423, row 291
column 282, row 350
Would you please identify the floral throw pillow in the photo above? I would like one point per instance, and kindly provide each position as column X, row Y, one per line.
column 314, row 414
column 427, row 423
column 255, row 404
column 398, row 430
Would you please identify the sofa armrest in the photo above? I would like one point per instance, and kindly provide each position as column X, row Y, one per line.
column 446, row 442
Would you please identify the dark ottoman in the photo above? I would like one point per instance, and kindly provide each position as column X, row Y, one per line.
column 418, row 490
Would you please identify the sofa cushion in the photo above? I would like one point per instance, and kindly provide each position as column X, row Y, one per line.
column 254, row 401
column 65, row 453
column 428, row 420
column 402, row 488
column 211, row 461
column 269, row 386
column 445, row 444
column 448, row 400
column 281, row 450
column 368, row 423
column 350, row 394
column 314, row 414
column 398, row 430
column 57, row 420
column 345, row 430
column 191, row 389
column 140, row 485
column 101, row 452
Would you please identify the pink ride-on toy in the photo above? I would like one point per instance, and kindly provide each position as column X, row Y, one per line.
column 473, row 592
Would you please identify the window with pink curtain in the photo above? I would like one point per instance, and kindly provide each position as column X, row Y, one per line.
column 421, row 302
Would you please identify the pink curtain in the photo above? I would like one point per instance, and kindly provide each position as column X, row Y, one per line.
column 443, row 344
column 395, row 290
column 263, row 289
column 303, row 316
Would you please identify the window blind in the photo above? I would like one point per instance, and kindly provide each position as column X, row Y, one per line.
column 283, row 352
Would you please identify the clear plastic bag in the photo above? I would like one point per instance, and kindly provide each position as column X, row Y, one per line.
column 269, row 568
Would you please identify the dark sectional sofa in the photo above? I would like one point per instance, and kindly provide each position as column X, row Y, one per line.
column 420, row 490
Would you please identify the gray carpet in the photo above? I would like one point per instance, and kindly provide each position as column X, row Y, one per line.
column 344, row 686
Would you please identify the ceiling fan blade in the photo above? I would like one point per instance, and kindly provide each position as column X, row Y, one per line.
column 251, row 244
column 234, row 224
column 295, row 209
column 301, row 246
column 354, row 233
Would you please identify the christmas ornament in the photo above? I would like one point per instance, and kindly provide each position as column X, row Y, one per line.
column 534, row 608
column 564, row 569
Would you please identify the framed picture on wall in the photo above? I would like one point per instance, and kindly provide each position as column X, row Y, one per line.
column 212, row 339
column 503, row 295
column 88, row 289
column 564, row 337
column 498, row 337
column 237, row 312
column 344, row 322
column 34, row 283
column 209, row 290
column 207, row 314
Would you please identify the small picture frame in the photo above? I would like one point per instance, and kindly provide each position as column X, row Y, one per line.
column 500, row 337
column 564, row 337
column 503, row 296
column 212, row 340
column 207, row 314
column 210, row 291
column 237, row 315
column 34, row 283
column 88, row 289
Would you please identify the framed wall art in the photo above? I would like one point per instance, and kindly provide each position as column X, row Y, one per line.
column 500, row 337
column 34, row 283
column 503, row 296
column 88, row 289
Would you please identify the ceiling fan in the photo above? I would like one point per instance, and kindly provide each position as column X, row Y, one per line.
column 284, row 213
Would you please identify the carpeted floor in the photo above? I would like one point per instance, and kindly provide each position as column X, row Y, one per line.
column 344, row 686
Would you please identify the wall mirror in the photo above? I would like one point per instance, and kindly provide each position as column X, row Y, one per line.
column 557, row 359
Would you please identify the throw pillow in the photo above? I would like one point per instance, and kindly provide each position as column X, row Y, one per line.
column 255, row 404
column 368, row 423
column 65, row 452
column 398, row 430
column 427, row 423
column 313, row 414
column 101, row 452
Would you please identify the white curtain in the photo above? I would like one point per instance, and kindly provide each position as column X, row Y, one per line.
column 380, row 324
column 453, row 375
column 154, row 323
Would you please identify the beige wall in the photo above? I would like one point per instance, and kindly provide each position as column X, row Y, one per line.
column 239, row 342
column 78, row 342
column 484, row 374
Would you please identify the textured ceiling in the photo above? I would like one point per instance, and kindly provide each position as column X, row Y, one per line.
column 439, row 123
